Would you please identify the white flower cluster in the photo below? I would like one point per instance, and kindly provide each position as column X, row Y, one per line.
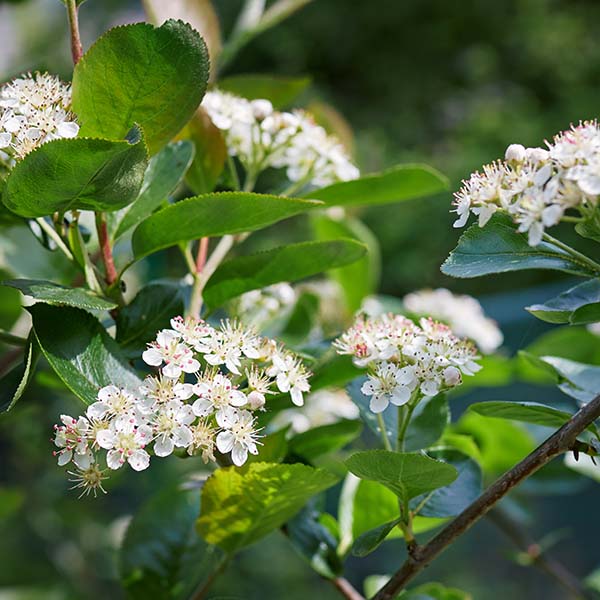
column 213, row 411
column 261, row 137
column 536, row 186
column 462, row 313
column 33, row 109
column 406, row 361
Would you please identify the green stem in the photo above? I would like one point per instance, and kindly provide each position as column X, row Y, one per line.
column 574, row 253
column 249, row 182
column 53, row 234
column 233, row 172
column 384, row 436
column 404, row 414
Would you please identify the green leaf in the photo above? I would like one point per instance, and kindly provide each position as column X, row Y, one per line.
column 302, row 320
column 210, row 153
column 334, row 370
column 498, row 248
column 390, row 417
column 452, row 499
column 273, row 449
column 150, row 311
column 578, row 380
column 162, row 556
column 212, row 215
column 527, row 412
column 164, row 172
column 402, row 182
column 80, row 351
column 434, row 591
column 14, row 383
column 313, row 443
column 427, row 423
column 287, row 263
column 578, row 305
column 79, row 173
column 372, row 539
column 314, row 542
column 240, row 508
column 153, row 76
column 406, row 474
column 55, row 294
column 361, row 278
column 280, row 91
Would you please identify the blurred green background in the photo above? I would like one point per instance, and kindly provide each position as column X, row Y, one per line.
column 446, row 83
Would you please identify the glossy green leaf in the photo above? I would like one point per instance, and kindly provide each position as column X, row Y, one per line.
column 287, row 263
column 14, row 383
column 315, row 442
column 164, row 172
column 240, row 508
column 452, row 499
column 314, row 542
column 80, row 351
column 406, row 474
column 150, row 311
column 372, row 539
column 498, row 248
column 55, row 294
column 527, row 412
column 402, row 182
column 210, row 153
column 152, row 76
column 361, row 278
column 578, row 380
column 280, row 91
column 79, row 173
column 578, row 305
column 162, row 556
column 427, row 423
column 212, row 215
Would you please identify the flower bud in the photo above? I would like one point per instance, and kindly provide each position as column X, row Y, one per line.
column 451, row 376
column 537, row 155
column 515, row 153
column 256, row 400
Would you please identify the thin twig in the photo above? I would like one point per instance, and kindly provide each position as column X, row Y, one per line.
column 559, row 442
column 545, row 563
column 205, row 586
column 202, row 253
column 111, row 274
column 347, row 590
column 76, row 47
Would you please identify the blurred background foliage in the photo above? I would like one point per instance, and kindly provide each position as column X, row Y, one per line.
column 449, row 84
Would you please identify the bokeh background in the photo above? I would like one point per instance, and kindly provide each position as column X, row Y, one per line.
column 446, row 83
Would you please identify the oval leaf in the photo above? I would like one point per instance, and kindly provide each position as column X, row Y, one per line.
column 80, row 351
column 288, row 263
column 498, row 248
column 402, row 182
column 80, row 173
column 165, row 171
column 55, row 294
column 153, row 76
column 406, row 474
column 278, row 492
column 212, row 215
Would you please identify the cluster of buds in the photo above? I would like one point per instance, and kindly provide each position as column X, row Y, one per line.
column 33, row 109
column 536, row 186
column 406, row 361
column 261, row 137
column 209, row 385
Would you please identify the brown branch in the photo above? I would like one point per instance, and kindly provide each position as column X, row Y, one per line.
column 346, row 589
column 535, row 554
column 556, row 444
column 76, row 47
column 202, row 253
column 111, row 274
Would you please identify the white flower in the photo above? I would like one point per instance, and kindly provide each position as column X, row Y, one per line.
column 462, row 313
column 194, row 332
column 389, row 384
column 239, row 438
column 176, row 356
column 203, row 440
column 34, row 109
column 230, row 344
column 112, row 402
column 125, row 442
column 171, row 427
column 217, row 396
column 72, row 438
column 291, row 376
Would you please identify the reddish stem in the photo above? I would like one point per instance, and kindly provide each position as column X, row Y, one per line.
column 202, row 254
column 111, row 274
column 76, row 47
